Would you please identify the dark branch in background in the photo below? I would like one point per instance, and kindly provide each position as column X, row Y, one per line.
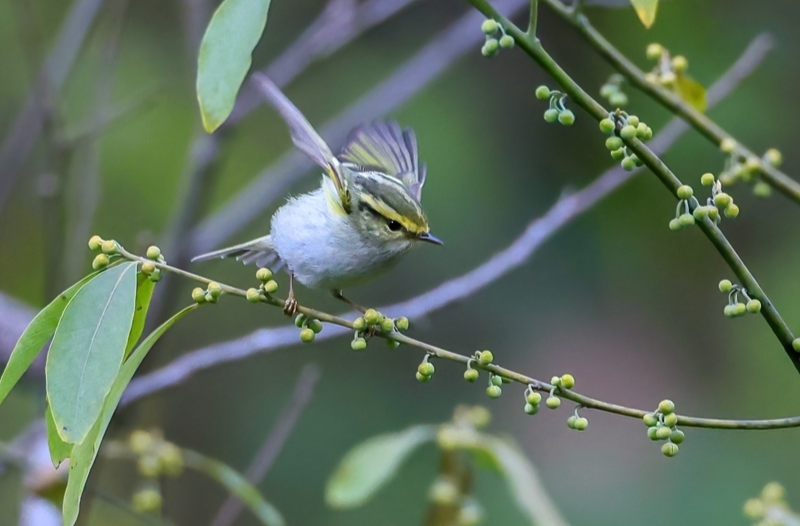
column 28, row 125
column 538, row 231
column 272, row 446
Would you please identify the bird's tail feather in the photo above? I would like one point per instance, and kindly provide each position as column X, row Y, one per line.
column 260, row 251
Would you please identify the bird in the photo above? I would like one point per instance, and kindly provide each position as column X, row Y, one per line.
column 365, row 216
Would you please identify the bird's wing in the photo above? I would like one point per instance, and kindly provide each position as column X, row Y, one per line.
column 304, row 136
column 260, row 251
column 384, row 147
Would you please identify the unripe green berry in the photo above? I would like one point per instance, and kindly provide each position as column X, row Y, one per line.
column 668, row 78
column 731, row 211
column 199, row 295
column 686, row 219
column 531, row 409
column 641, row 131
column 489, row 27
column 663, row 432
column 490, row 47
column 606, row 90
column 315, row 325
column 773, row 492
column 728, row 311
column 300, row 320
column 426, row 369
column 727, row 145
column 485, row 358
column 392, row 344
column 713, row 213
column 553, row 402
column 627, row 132
column 215, row 289
column 95, row 243
column 148, row 268
column 707, row 179
column 679, row 63
column 155, row 276
column 700, row 213
column 443, row 492
column 497, row 380
column 633, row 120
column 581, row 423
column 628, row 164
column 753, row 306
column 171, row 459
column 675, row 225
column 652, row 433
column 307, row 335
column 648, row 134
column 677, row 437
column 422, row 378
column 149, row 466
column 739, row 309
column 666, row 407
column 618, row 154
column 270, row 286
column 752, row 165
column 571, row 421
column 607, row 126
column 670, row 420
column 471, row 375
column 773, row 157
column 654, row 51
column 153, row 252
column 725, row 285
column 401, row 323
column 387, row 325
column 253, row 295
column 373, row 317
column 566, row 117
column 650, row 419
column 210, row 298
column 685, row 192
column 722, row 200
column 669, row 449
column 618, row 99
column 263, row 274
column 614, row 143
column 146, row 500
column 358, row 344
column 762, row 189
column 796, row 344
column 555, row 380
column 359, row 324
column 533, row 398
column 494, row 391
column 567, row 381
column 139, row 441
column 506, row 41
column 542, row 93
column 100, row 262
column 109, row 247
column 551, row 115
column 755, row 509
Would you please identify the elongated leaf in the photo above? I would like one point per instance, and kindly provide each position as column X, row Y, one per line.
column 144, row 293
column 84, row 454
column 59, row 450
column 225, row 56
column 237, row 485
column 35, row 337
column 370, row 465
column 646, row 11
column 87, row 350
column 691, row 91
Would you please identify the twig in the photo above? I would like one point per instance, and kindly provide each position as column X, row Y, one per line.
column 271, row 448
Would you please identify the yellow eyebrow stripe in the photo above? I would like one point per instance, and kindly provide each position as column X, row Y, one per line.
column 389, row 213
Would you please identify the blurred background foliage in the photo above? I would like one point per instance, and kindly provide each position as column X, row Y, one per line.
column 628, row 307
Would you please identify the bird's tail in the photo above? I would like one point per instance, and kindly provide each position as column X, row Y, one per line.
column 260, row 251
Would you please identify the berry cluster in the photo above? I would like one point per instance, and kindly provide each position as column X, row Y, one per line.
column 492, row 45
column 666, row 72
column 373, row 321
column 557, row 110
column 773, row 498
column 747, row 168
column 268, row 286
column 309, row 327
column 735, row 308
column 612, row 91
column 663, row 425
column 211, row 293
column 425, row 370
column 623, row 127
column 156, row 457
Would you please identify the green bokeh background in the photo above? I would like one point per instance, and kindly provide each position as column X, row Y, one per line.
column 628, row 307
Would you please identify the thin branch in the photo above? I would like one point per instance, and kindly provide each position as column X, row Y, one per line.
column 272, row 446
column 657, row 166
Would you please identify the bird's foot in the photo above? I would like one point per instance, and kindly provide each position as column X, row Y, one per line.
column 290, row 306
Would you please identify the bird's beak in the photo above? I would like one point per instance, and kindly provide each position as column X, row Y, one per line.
column 430, row 238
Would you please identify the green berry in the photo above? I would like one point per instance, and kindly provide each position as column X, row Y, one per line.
column 155, row 276
column 373, row 317
column 100, row 262
column 707, row 179
column 670, row 420
column 555, row 380
column 426, row 369
column 148, row 268
column 387, row 325
column 401, row 323
column 753, row 306
column 489, row 27
column 650, row 419
column 669, row 449
column 627, row 132
column 727, row 145
column 654, row 51
column 95, row 243
column 490, row 48
column 566, row 117
column 773, row 157
column 752, row 165
column 677, row 437
column 685, row 192
column 675, row 225
column 215, row 289
column 422, row 378
column 614, row 143
column 300, row 320
column 666, row 407
column 359, row 324
column 551, row 115
column 618, row 155
column 146, row 500
column 149, row 466
column 270, row 286
column 729, row 311
column 628, row 164
column 531, row 409
column 581, row 424
column 725, row 285
column 571, row 421
column 652, row 433
column 567, row 381
column 700, row 213
column 533, row 398
column 796, row 344
column 392, row 344
column 253, row 295
column 153, row 252
column 739, row 309
column 471, row 375
column 263, row 274
column 497, row 380
column 618, row 99
column 642, row 131
column 663, row 432
column 315, row 325
column 633, row 120
column 109, row 246
column 199, row 295
column 762, row 189
column 506, row 41
column 307, row 335
column 713, row 213
column 140, row 441
column 553, row 402
column 648, row 134
column 607, row 126
column 679, row 63
column 494, row 391
column 542, row 93
column 731, row 211
column 686, row 219
column 358, row 344
column 485, row 358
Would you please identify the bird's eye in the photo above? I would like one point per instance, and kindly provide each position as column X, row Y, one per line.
column 393, row 225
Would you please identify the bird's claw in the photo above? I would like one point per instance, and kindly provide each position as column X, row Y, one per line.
column 290, row 306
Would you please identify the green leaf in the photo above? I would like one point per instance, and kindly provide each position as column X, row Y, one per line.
column 225, row 56
column 84, row 454
column 646, row 11
column 144, row 293
column 234, row 482
column 59, row 450
column 35, row 337
column 691, row 91
column 87, row 350
column 371, row 464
